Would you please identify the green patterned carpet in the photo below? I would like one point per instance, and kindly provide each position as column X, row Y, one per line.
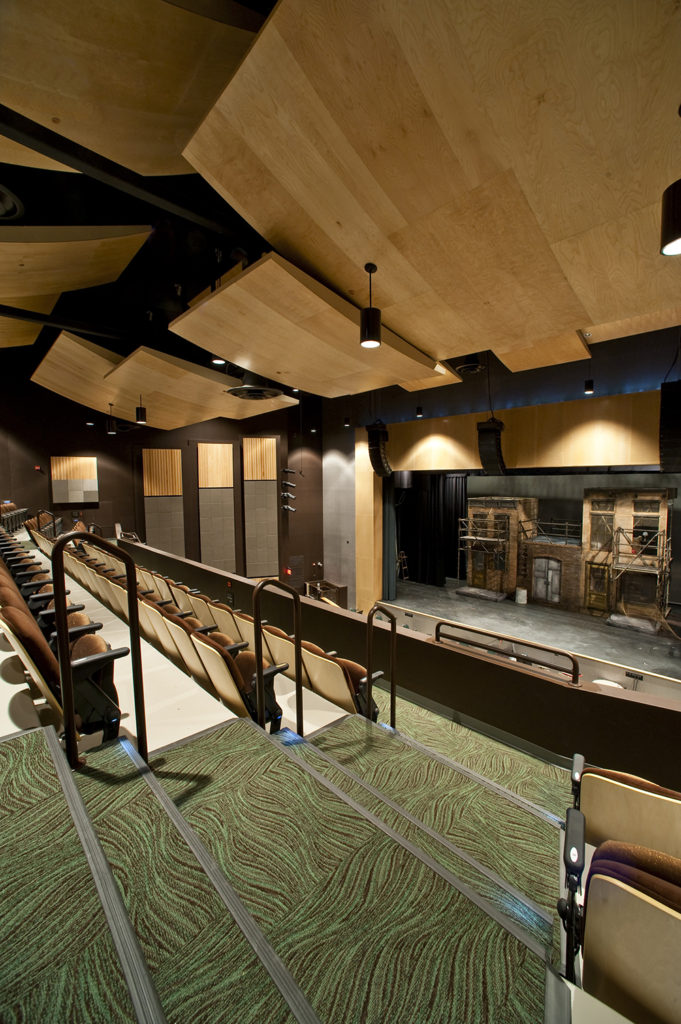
column 203, row 968
column 544, row 784
column 59, row 961
column 368, row 931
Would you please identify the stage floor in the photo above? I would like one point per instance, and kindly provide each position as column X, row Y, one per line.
column 571, row 631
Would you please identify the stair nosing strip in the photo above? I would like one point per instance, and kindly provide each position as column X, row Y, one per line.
column 281, row 977
column 144, row 997
column 434, row 834
column 502, row 920
column 457, row 766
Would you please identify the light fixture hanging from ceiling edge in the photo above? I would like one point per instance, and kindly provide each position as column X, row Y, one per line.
column 370, row 318
column 670, row 220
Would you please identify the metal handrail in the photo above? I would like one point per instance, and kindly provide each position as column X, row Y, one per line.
column 298, row 658
column 574, row 675
column 65, row 673
column 47, row 513
column 392, row 661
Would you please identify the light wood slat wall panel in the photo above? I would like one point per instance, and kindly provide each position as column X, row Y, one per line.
column 162, row 471
column 615, row 430
column 216, row 465
column 368, row 527
column 73, row 467
column 260, row 458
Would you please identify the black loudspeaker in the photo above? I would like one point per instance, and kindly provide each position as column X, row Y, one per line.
column 489, row 446
column 378, row 437
column 670, row 427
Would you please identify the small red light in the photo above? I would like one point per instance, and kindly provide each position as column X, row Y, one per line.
column 288, row 572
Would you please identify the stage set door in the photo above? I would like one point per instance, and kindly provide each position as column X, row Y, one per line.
column 546, row 580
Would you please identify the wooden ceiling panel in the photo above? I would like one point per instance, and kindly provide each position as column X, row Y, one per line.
column 563, row 348
column 493, row 160
column 282, row 324
column 657, row 321
column 128, row 80
column 14, row 153
column 48, row 260
column 175, row 393
column 22, row 332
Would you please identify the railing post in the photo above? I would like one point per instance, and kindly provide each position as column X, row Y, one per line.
column 392, row 661
column 65, row 674
column 298, row 659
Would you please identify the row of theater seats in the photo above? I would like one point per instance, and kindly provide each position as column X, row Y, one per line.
column 27, row 619
column 628, row 925
column 213, row 643
column 11, row 517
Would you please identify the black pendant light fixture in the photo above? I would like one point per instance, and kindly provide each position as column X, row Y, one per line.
column 670, row 235
column 589, row 386
column 140, row 414
column 370, row 318
column 110, row 421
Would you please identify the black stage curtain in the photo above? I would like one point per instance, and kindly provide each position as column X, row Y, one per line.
column 389, row 540
column 455, row 508
column 420, row 511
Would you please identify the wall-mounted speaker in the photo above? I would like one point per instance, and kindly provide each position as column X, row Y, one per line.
column 378, row 437
column 489, row 446
column 670, row 427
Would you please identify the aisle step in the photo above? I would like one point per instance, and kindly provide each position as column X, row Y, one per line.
column 62, row 928
column 204, row 967
column 513, row 839
column 369, row 930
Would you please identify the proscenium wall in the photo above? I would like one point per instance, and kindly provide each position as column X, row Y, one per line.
column 339, row 505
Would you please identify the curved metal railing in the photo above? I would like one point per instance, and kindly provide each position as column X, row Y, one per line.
column 298, row 665
column 65, row 673
column 392, row 661
column 514, row 654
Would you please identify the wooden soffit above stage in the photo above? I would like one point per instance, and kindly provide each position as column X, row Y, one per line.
column 174, row 392
column 501, row 163
column 279, row 322
column 38, row 263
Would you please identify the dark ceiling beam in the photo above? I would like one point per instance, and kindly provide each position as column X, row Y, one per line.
column 60, row 322
column 42, row 140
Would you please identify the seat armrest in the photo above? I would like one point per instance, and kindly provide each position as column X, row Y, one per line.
column 83, row 667
column 272, row 670
column 76, row 631
column 576, row 776
column 574, row 850
column 235, row 648
column 29, row 572
column 374, row 676
column 205, row 629
column 331, row 654
column 48, row 614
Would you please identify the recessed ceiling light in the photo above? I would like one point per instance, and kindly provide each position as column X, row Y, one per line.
column 89, row 423
column 218, row 361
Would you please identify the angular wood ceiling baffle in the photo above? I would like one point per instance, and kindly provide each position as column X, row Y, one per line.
column 175, row 393
column 501, row 163
column 38, row 263
column 279, row 322
column 128, row 80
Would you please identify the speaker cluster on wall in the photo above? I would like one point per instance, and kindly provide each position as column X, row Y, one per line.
column 670, row 427
column 489, row 446
column 378, row 438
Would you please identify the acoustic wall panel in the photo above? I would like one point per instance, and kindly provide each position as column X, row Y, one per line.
column 74, row 480
column 163, row 502
column 261, row 505
column 216, row 505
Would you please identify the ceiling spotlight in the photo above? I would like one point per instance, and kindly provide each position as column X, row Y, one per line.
column 295, row 390
column 370, row 318
column 140, row 414
column 670, row 234
column 588, row 386
column 346, row 421
column 89, row 423
column 419, row 412
column 110, row 421
column 313, row 430
column 218, row 361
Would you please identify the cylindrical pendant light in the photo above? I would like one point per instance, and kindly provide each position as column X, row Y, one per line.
column 110, row 421
column 670, row 235
column 140, row 414
column 370, row 318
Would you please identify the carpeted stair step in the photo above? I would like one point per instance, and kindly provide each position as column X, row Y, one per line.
column 370, row 928
column 538, row 781
column 202, row 964
column 509, row 836
column 500, row 894
column 61, row 951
